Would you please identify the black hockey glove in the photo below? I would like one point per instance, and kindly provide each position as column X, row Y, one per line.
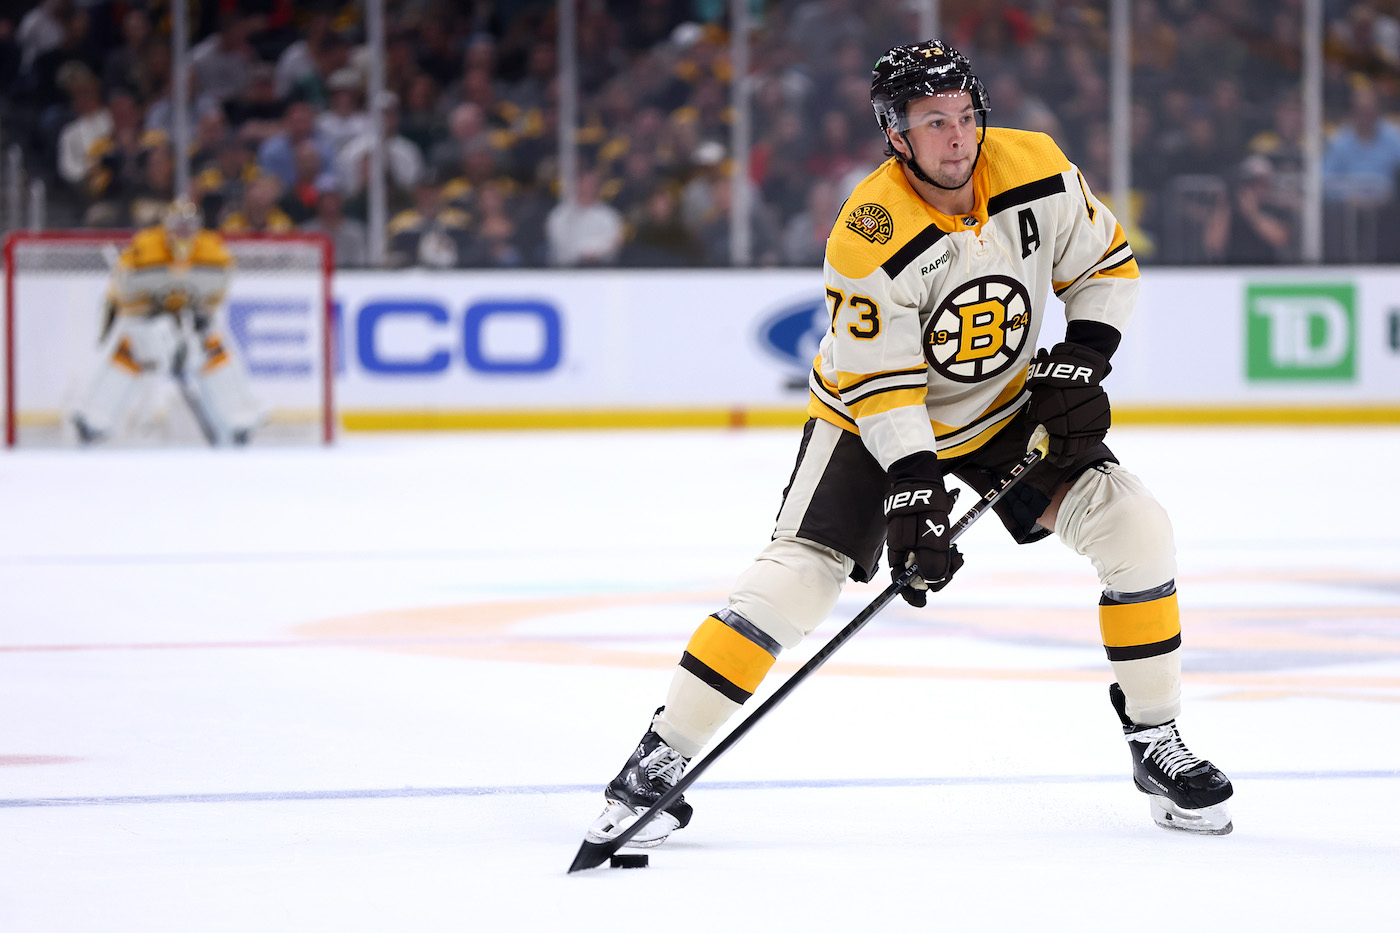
column 1066, row 397
column 917, row 526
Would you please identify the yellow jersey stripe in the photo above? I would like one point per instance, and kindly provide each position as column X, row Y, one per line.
column 886, row 400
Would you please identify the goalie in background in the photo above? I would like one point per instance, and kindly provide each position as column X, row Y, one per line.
column 162, row 309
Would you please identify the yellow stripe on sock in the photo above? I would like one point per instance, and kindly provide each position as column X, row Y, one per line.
column 1125, row 625
column 729, row 654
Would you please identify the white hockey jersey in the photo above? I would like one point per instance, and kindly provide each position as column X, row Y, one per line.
column 934, row 318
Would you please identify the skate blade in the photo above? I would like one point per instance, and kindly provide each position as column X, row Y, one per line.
column 1207, row 821
column 616, row 817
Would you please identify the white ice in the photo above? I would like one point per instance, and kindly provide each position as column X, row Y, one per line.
column 379, row 687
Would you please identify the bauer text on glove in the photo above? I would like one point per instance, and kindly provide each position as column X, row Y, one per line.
column 1067, row 399
column 917, row 526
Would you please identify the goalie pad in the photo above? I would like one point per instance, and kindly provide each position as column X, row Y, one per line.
column 219, row 394
column 134, row 348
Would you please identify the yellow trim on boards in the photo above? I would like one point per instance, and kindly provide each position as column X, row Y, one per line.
column 544, row 419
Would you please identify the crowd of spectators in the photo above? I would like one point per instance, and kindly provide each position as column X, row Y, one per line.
column 282, row 139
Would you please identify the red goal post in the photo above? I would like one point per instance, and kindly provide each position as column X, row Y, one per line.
column 278, row 317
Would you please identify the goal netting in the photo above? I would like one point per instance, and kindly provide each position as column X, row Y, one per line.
column 277, row 317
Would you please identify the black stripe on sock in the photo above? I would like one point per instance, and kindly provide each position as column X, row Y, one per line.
column 1113, row 598
column 713, row 678
column 1138, row 652
column 750, row 631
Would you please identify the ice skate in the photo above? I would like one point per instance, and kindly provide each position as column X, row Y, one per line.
column 653, row 769
column 1186, row 793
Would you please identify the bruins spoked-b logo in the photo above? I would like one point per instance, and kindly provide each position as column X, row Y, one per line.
column 872, row 222
column 979, row 330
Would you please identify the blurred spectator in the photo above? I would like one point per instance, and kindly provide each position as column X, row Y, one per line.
column 256, row 110
column 1249, row 225
column 715, row 231
column 584, row 231
column 660, row 238
column 301, row 198
column 219, row 188
column 41, row 29
column 431, row 233
column 1363, row 154
column 1282, row 142
column 152, row 196
column 116, row 162
column 223, row 62
column 1367, row 40
column 833, row 152
column 496, row 243
column 123, row 64
column 330, row 55
column 464, row 124
column 804, row 235
column 418, row 120
column 348, row 235
column 346, row 117
column 210, row 133
column 403, row 161
column 1012, row 106
column 259, row 212
column 91, row 122
column 298, row 59
column 277, row 156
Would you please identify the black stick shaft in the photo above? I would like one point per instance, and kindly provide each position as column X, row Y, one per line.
column 591, row 854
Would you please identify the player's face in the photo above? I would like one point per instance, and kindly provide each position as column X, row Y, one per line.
column 943, row 131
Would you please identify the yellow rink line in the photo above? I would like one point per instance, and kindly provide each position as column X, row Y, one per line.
column 534, row 419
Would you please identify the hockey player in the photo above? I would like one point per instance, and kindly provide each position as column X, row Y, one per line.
column 166, row 290
column 937, row 272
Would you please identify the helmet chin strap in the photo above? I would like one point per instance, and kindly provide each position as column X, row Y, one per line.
column 913, row 163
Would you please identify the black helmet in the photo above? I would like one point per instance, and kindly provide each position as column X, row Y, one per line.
column 909, row 71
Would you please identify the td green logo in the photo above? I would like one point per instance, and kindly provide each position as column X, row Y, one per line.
column 1301, row 332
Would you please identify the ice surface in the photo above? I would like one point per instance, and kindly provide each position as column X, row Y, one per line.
column 379, row 687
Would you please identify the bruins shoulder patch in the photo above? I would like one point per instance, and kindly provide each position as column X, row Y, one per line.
column 872, row 222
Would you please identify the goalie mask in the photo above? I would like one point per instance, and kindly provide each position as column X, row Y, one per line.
column 908, row 72
column 182, row 224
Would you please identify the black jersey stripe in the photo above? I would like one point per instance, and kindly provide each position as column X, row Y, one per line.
column 912, row 250
column 899, row 387
column 1099, row 267
column 1024, row 194
column 921, row 373
column 1138, row 652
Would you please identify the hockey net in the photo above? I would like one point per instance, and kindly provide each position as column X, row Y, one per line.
column 277, row 316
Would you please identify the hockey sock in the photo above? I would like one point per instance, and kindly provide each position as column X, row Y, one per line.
column 725, row 661
column 1142, row 637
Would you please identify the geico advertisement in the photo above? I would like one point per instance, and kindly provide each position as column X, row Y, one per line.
column 551, row 339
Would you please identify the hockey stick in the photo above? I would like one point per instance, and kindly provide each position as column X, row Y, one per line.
column 592, row 854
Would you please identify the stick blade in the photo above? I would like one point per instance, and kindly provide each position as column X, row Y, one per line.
column 591, row 855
